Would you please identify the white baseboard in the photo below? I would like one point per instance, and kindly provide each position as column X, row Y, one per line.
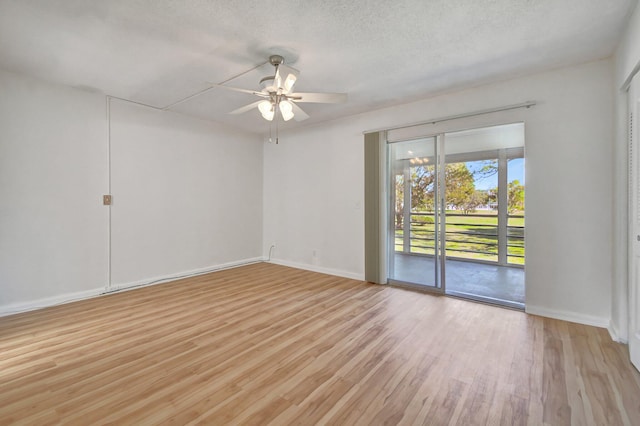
column 568, row 316
column 15, row 308
column 320, row 269
column 184, row 274
column 615, row 334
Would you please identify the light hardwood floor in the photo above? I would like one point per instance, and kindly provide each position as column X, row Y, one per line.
column 268, row 344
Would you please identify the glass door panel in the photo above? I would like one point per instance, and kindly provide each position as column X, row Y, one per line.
column 415, row 248
column 483, row 188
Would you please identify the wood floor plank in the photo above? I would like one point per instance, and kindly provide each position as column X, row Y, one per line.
column 267, row 344
column 555, row 397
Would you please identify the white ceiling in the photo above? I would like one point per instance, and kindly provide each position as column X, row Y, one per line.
column 380, row 52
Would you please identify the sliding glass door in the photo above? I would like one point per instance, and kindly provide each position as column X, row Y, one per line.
column 456, row 213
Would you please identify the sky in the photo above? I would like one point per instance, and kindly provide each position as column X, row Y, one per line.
column 515, row 171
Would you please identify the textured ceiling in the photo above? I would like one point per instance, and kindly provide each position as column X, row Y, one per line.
column 379, row 52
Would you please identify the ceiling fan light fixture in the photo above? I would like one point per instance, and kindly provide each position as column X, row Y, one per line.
column 266, row 109
column 287, row 110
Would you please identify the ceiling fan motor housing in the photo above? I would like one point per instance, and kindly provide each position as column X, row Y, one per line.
column 276, row 60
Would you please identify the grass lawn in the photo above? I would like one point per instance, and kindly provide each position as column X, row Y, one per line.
column 468, row 236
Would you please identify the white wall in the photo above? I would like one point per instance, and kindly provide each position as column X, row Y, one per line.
column 627, row 61
column 313, row 198
column 53, row 170
column 187, row 194
column 313, row 186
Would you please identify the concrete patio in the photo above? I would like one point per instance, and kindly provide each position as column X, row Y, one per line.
column 492, row 283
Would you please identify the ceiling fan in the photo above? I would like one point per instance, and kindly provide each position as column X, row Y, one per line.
column 278, row 96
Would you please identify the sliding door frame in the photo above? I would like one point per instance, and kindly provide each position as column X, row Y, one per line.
column 440, row 252
column 442, row 210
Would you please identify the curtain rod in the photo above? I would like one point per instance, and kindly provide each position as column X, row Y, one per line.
column 527, row 104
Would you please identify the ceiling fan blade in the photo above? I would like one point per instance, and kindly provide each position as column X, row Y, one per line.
column 299, row 113
column 321, row 98
column 236, row 89
column 285, row 78
column 246, row 108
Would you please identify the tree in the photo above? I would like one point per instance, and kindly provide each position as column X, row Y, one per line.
column 489, row 168
column 460, row 192
column 460, row 189
column 515, row 196
column 422, row 187
column 399, row 200
column 460, row 185
column 478, row 198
